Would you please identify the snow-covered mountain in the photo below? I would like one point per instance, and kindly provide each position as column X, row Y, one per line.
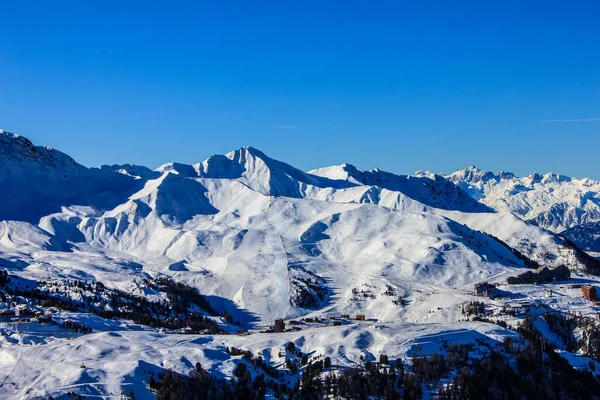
column 263, row 240
column 555, row 202
column 37, row 181
column 244, row 227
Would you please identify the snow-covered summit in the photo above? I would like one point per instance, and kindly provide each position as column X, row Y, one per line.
column 265, row 174
column 343, row 171
column 474, row 175
column 132, row 170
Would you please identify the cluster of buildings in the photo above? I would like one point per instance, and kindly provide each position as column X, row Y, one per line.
column 25, row 313
column 522, row 307
column 20, row 310
column 541, row 275
column 279, row 325
column 76, row 326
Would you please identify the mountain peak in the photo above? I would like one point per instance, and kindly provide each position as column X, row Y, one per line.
column 472, row 175
column 17, row 148
column 13, row 140
column 40, row 180
column 249, row 150
column 348, row 166
column 343, row 172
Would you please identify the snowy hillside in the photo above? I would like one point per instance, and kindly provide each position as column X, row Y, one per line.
column 259, row 240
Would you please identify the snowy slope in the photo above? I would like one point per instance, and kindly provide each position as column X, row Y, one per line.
column 537, row 244
column 256, row 246
column 248, row 216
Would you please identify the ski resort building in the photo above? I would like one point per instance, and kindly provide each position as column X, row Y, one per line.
column 590, row 292
column 21, row 310
column 484, row 289
column 361, row 317
column 279, row 326
column 541, row 275
column 77, row 326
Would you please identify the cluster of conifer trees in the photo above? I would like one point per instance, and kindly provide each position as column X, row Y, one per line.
column 564, row 326
column 522, row 370
column 309, row 292
column 92, row 297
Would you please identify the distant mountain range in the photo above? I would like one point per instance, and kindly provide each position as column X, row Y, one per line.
column 561, row 204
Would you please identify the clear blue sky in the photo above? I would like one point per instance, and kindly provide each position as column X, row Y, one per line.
column 396, row 85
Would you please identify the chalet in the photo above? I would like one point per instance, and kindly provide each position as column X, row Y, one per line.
column 70, row 324
column 360, row 317
column 345, row 316
column 279, row 326
column 337, row 323
column 21, row 310
column 590, row 292
column 41, row 318
column 484, row 289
